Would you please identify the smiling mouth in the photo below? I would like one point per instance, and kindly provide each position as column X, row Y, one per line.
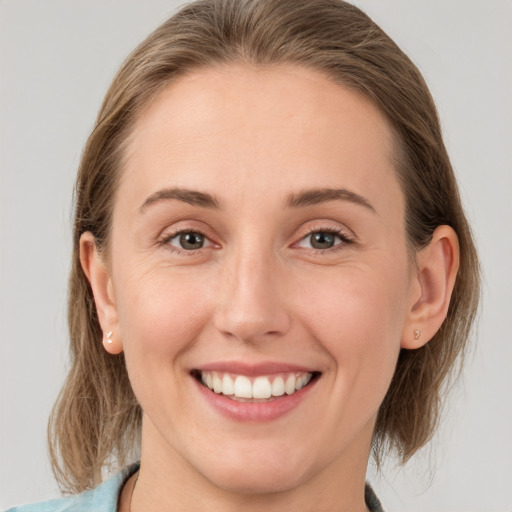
column 263, row 388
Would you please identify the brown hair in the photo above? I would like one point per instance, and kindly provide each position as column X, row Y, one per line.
column 96, row 420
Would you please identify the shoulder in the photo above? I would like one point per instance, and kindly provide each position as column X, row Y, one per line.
column 101, row 499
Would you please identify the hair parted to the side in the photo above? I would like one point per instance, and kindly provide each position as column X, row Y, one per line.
column 96, row 420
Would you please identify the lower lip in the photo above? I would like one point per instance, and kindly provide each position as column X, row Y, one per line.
column 254, row 411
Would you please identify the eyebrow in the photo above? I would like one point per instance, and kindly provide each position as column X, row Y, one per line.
column 193, row 197
column 323, row 195
column 305, row 198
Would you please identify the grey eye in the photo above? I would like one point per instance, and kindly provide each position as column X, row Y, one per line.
column 322, row 239
column 188, row 240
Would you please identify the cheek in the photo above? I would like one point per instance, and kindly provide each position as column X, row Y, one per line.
column 160, row 319
column 358, row 299
column 160, row 313
column 358, row 316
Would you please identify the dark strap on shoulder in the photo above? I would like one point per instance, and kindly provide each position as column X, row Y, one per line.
column 371, row 500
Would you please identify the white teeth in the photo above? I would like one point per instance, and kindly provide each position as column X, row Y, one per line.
column 259, row 388
column 301, row 382
column 228, row 387
column 243, row 387
column 278, row 387
column 289, row 386
column 217, row 384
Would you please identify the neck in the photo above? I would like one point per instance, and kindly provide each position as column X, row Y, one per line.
column 168, row 482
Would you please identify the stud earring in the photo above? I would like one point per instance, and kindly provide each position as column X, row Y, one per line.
column 417, row 334
column 109, row 337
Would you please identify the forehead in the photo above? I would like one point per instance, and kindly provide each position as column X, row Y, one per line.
column 266, row 129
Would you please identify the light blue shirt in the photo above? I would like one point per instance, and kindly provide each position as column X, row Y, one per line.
column 101, row 499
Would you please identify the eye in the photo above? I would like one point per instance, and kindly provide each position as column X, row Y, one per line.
column 323, row 239
column 188, row 240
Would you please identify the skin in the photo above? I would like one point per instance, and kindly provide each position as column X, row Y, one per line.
column 258, row 290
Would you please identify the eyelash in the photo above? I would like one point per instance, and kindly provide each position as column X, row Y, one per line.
column 341, row 235
column 166, row 239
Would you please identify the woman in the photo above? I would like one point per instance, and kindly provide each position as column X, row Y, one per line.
column 272, row 276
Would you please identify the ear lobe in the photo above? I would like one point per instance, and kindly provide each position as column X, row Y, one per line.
column 97, row 273
column 437, row 266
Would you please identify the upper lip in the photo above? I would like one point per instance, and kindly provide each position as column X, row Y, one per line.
column 253, row 369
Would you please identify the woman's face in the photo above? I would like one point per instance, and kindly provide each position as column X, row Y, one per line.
column 258, row 245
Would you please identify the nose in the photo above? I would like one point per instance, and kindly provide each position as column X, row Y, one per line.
column 252, row 305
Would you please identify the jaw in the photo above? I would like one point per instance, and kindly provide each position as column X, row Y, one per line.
column 257, row 473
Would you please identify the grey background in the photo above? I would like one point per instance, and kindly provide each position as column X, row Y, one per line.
column 57, row 58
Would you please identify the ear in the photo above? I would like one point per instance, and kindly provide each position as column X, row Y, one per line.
column 98, row 275
column 437, row 266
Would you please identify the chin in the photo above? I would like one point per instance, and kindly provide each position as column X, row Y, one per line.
column 256, row 481
column 269, row 469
